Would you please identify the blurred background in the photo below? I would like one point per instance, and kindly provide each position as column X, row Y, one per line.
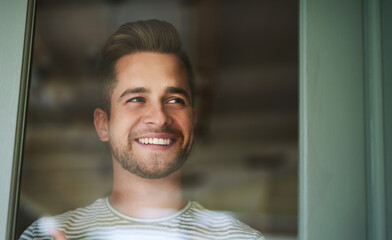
column 245, row 157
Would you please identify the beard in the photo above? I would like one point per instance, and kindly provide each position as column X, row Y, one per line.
column 152, row 166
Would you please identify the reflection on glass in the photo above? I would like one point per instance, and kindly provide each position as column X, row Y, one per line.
column 244, row 160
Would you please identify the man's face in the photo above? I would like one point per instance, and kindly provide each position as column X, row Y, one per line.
column 151, row 124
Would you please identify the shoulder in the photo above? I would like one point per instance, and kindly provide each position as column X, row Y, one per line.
column 66, row 221
column 81, row 216
column 220, row 223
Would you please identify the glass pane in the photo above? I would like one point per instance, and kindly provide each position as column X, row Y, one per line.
column 244, row 159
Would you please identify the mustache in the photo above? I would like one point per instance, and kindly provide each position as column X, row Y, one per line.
column 167, row 130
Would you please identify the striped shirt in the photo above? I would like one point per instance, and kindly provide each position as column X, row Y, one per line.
column 100, row 221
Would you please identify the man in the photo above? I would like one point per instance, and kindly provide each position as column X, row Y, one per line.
column 148, row 117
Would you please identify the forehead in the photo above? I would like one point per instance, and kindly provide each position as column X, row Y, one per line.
column 151, row 69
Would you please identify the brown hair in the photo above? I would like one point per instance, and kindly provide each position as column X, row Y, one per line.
column 141, row 36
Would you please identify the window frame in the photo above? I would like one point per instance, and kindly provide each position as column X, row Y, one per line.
column 16, row 26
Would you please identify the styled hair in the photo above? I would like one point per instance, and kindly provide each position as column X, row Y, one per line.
column 141, row 36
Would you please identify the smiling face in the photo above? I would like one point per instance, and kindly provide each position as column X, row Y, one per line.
column 151, row 123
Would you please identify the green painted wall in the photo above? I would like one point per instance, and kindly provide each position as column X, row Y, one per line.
column 332, row 121
column 345, row 119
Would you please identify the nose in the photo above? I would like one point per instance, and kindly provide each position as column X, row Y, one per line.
column 156, row 115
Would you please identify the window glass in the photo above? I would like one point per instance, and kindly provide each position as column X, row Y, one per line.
column 245, row 55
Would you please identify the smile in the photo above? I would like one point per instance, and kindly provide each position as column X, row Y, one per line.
column 155, row 141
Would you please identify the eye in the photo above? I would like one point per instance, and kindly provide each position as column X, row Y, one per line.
column 137, row 99
column 176, row 100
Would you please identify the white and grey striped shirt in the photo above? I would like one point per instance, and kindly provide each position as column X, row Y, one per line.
column 99, row 221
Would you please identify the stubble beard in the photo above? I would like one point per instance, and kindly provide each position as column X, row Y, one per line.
column 151, row 166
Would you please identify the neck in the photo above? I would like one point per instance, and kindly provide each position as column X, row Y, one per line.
column 146, row 198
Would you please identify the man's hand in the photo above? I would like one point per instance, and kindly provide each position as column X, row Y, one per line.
column 57, row 234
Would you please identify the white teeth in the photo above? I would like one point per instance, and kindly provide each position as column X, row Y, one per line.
column 155, row 141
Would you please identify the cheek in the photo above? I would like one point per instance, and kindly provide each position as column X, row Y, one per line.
column 187, row 124
column 121, row 127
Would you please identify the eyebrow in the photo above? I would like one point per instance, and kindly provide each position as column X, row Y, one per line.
column 180, row 91
column 173, row 90
column 134, row 90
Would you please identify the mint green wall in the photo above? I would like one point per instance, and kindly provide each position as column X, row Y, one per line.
column 13, row 90
column 345, row 119
column 332, row 121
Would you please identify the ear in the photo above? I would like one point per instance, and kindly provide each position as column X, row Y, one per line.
column 101, row 123
column 194, row 116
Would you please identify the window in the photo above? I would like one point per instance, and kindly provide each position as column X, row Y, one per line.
column 246, row 152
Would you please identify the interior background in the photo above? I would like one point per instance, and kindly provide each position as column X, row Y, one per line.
column 245, row 55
